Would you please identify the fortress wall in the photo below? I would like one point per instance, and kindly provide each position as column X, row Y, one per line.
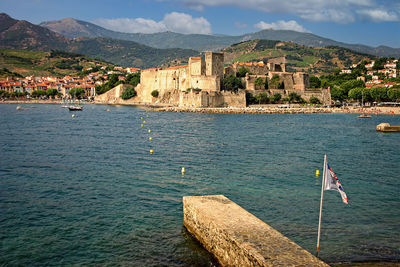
column 232, row 99
column 206, row 83
column 190, row 99
column 301, row 81
column 196, row 66
column 212, row 99
column 163, row 81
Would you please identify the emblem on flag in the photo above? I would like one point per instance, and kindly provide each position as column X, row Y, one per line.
column 331, row 182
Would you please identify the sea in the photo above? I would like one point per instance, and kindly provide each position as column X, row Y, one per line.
column 81, row 188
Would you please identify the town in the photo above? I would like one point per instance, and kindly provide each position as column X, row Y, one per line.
column 207, row 82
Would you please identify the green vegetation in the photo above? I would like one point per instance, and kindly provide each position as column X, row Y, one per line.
column 52, row 92
column 262, row 98
column 232, row 83
column 20, row 63
column 132, row 79
column 275, row 82
column 315, row 82
column 4, row 72
column 128, row 93
column 154, row 93
column 314, row 100
column 242, row 72
column 276, row 98
column 295, row 98
column 299, row 57
column 260, row 83
column 78, row 93
column 112, row 82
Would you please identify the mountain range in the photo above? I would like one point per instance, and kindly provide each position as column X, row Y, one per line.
column 20, row 34
column 73, row 28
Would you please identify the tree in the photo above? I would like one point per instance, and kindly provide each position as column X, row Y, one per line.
column 262, row 98
column 356, row 93
column 314, row 100
column 51, row 92
column 154, row 93
column 77, row 92
column 275, row 81
column 128, row 93
column 232, row 83
column 394, row 94
column 132, row 79
column 338, row 94
column 295, row 98
column 379, row 94
column 347, row 86
column 259, row 82
column 315, row 82
column 242, row 72
column 112, row 82
column 276, row 98
column 250, row 99
column 266, row 84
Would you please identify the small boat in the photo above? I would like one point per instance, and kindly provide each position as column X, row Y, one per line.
column 364, row 116
column 75, row 108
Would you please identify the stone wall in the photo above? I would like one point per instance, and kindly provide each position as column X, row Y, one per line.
column 197, row 98
column 238, row 238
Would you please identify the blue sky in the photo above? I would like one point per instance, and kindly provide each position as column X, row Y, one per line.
column 370, row 22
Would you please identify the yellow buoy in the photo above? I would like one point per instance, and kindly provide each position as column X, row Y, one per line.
column 149, row 131
column 150, row 138
column 151, row 151
column 141, row 118
column 183, row 171
column 141, row 125
column 144, row 121
column 317, row 173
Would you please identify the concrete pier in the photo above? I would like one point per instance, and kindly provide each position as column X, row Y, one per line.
column 238, row 238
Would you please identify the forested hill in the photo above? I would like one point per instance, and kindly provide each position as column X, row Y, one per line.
column 17, row 34
column 298, row 57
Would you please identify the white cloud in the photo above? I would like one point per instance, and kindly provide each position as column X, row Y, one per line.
column 132, row 25
column 378, row 15
column 281, row 25
column 175, row 22
column 339, row 11
column 184, row 23
column 240, row 25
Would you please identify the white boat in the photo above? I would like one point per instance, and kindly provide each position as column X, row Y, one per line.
column 75, row 108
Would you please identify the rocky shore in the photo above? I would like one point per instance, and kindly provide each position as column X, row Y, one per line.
column 277, row 110
column 270, row 109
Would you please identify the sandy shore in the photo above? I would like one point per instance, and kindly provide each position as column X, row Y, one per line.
column 248, row 110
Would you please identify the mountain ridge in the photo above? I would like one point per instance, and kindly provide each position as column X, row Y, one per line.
column 202, row 42
column 20, row 34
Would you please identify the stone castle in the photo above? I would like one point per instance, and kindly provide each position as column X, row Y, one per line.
column 198, row 84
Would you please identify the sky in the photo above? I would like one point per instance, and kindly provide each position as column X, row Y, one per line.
column 369, row 22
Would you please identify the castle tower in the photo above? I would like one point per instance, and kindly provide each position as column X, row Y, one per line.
column 214, row 64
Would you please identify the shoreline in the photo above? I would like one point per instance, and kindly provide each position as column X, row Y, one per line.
column 233, row 110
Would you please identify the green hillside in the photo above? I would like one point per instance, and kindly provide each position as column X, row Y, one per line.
column 44, row 63
column 22, row 35
column 298, row 57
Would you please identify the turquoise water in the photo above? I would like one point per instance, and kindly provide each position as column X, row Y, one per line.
column 86, row 191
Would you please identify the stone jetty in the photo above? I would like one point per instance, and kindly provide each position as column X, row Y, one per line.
column 238, row 238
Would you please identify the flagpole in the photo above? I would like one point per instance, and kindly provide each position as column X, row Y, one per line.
column 320, row 206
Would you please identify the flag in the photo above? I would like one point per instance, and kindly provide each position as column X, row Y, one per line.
column 331, row 182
